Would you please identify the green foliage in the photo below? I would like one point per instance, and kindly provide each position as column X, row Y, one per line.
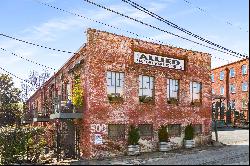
column 189, row 132
column 21, row 144
column 9, row 101
column 146, row 99
column 77, row 95
column 133, row 136
column 163, row 134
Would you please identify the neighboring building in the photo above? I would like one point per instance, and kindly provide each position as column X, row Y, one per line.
column 232, row 82
column 126, row 81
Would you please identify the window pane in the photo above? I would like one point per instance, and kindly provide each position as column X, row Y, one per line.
column 145, row 129
column 221, row 75
column 172, row 88
column 212, row 78
column 197, row 129
column 146, row 86
column 116, row 131
column 222, row 90
column 244, row 69
column 115, row 82
column 244, row 86
column 174, row 130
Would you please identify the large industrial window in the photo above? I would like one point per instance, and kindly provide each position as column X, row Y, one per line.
column 145, row 130
column 244, row 69
column 174, row 130
column 197, row 129
column 115, row 82
column 172, row 89
column 146, row 86
column 221, row 75
column 231, row 73
column 195, row 91
column 116, row 131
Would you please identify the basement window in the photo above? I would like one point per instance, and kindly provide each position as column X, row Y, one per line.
column 116, row 131
column 197, row 129
column 174, row 130
column 146, row 130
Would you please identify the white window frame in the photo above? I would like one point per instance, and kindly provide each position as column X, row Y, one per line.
column 222, row 75
column 244, row 86
column 222, row 89
column 244, row 69
column 115, row 80
column 193, row 88
column 172, row 87
column 232, row 73
column 148, row 86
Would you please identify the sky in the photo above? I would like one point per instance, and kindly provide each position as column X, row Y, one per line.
column 33, row 22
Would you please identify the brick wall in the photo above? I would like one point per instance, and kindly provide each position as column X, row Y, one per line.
column 237, row 80
column 109, row 52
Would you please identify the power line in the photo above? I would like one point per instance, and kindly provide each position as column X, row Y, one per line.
column 28, row 59
column 111, row 26
column 143, row 9
column 205, row 11
column 157, row 28
column 99, row 22
column 38, row 45
column 15, row 75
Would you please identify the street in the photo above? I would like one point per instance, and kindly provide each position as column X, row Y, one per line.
column 235, row 151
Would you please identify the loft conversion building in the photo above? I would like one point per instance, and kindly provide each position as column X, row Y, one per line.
column 115, row 82
column 232, row 82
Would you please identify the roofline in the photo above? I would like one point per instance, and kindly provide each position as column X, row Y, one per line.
column 230, row 64
column 151, row 42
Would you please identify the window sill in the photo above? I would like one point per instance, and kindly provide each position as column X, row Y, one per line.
column 196, row 104
column 173, row 102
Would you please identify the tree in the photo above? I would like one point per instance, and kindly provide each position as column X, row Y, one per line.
column 9, row 101
column 35, row 80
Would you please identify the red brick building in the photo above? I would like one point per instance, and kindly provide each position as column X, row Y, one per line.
column 231, row 81
column 127, row 81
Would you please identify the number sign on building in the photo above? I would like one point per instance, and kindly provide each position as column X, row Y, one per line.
column 155, row 60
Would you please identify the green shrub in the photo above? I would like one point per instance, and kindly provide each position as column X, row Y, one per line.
column 133, row 136
column 189, row 132
column 163, row 134
column 21, row 144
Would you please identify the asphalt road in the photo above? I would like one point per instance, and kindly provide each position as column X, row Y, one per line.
column 235, row 152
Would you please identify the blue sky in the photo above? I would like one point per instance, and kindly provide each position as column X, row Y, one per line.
column 31, row 21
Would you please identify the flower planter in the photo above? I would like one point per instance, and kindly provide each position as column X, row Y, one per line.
column 164, row 146
column 189, row 143
column 133, row 150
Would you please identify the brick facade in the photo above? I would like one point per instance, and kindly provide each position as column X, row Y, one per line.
column 233, row 81
column 105, row 52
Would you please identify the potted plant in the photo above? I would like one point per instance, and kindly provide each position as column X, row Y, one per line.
column 146, row 99
column 133, row 141
column 196, row 102
column 172, row 101
column 189, row 141
column 115, row 98
column 164, row 142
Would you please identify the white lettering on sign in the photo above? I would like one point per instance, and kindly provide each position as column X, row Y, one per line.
column 98, row 128
column 155, row 60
